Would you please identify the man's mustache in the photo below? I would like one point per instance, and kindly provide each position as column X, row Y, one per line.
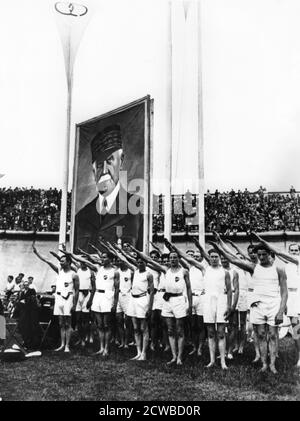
column 103, row 178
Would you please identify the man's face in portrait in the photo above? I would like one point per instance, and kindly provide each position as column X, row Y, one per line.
column 107, row 172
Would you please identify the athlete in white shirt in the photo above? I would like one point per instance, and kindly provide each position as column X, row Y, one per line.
column 66, row 296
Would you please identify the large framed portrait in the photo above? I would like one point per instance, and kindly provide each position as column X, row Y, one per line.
column 112, row 186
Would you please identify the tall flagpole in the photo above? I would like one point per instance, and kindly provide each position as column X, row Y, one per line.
column 168, row 193
column 71, row 31
column 201, row 207
column 64, row 195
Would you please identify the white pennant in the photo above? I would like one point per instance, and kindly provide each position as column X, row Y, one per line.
column 71, row 20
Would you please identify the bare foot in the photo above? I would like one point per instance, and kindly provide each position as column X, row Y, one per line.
column 211, row 364
column 273, row 369
column 256, row 359
column 173, row 360
column 224, row 367
column 264, row 368
column 199, row 352
column 240, row 351
column 229, row 356
column 60, row 348
column 67, row 349
column 179, row 362
column 126, row 346
column 142, row 357
column 121, row 346
column 192, row 351
column 167, row 348
column 298, row 363
column 152, row 347
column 132, row 344
column 100, row 352
column 105, row 353
column 235, row 349
column 137, row 357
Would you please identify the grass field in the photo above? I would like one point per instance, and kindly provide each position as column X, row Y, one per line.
column 81, row 376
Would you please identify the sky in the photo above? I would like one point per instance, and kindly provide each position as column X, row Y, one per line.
column 250, row 63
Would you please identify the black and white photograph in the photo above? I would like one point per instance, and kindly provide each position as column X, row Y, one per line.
column 150, row 204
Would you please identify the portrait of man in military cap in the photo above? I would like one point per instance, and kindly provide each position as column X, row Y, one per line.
column 109, row 149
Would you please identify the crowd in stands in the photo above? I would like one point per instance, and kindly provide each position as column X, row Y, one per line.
column 23, row 209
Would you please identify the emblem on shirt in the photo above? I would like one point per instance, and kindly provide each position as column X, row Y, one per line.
column 176, row 279
column 126, row 279
column 105, row 277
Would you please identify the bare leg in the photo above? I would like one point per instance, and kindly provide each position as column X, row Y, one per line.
column 171, row 334
column 180, row 335
column 211, row 344
column 273, row 345
column 145, row 334
column 120, row 326
column 137, row 337
column 263, row 345
column 201, row 335
column 68, row 332
column 222, row 344
column 62, row 334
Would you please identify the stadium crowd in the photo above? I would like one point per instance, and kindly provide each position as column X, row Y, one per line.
column 23, row 209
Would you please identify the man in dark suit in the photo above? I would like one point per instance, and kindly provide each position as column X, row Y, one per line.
column 113, row 209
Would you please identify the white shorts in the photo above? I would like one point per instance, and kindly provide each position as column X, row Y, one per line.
column 197, row 304
column 292, row 303
column 62, row 306
column 214, row 308
column 158, row 300
column 103, row 302
column 242, row 304
column 138, row 307
column 176, row 307
column 265, row 312
column 123, row 301
column 82, row 302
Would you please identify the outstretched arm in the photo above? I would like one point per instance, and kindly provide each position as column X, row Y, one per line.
column 150, row 262
column 238, row 249
column 43, row 259
column 184, row 256
column 81, row 260
column 155, row 247
column 201, row 249
column 277, row 251
column 74, row 265
column 249, row 267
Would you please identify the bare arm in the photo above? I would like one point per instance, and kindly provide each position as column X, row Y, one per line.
column 82, row 260
column 277, row 251
column 283, row 294
column 188, row 290
column 93, row 283
column 151, row 291
column 235, row 282
column 238, row 249
column 229, row 294
column 155, row 247
column 43, row 259
column 117, row 287
column 248, row 266
column 190, row 260
column 202, row 250
column 76, row 288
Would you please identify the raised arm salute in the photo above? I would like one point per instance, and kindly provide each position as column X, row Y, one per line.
column 66, row 296
column 268, row 301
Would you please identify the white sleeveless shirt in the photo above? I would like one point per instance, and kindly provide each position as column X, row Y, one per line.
column 125, row 281
column 84, row 278
column 196, row 279
column 105, row 279
column 140, row 282
column 265, row 282
column 174, row 281
column 214, row 281
column 64, row 283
